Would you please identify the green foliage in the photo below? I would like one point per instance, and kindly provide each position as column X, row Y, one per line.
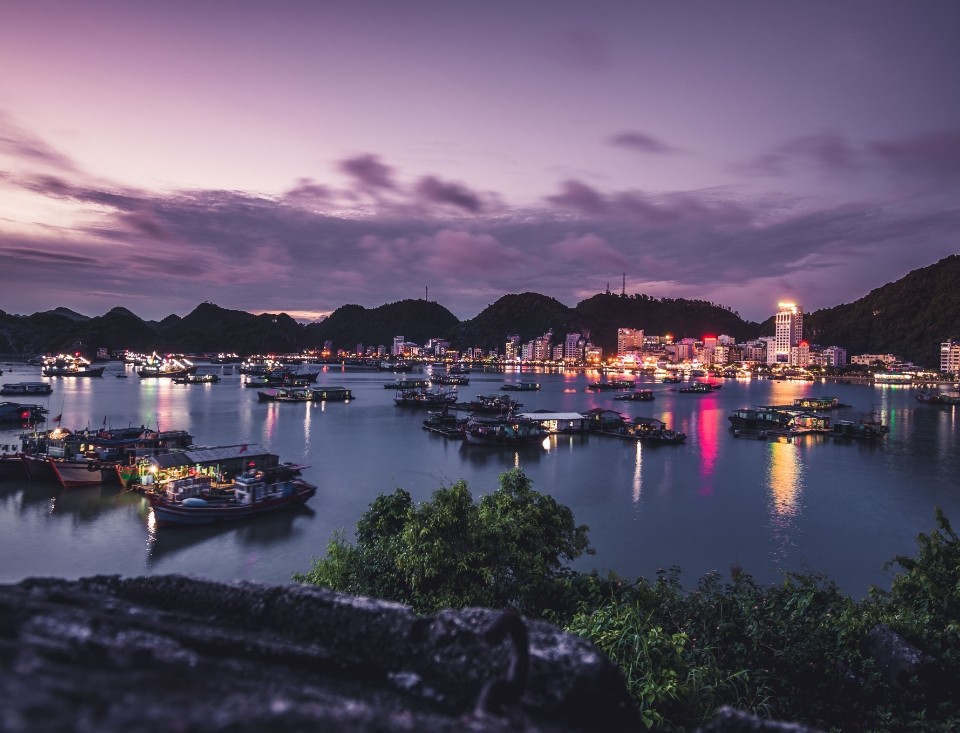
column 510, row 549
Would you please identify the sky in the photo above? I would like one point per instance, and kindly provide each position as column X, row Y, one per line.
column 295, row 156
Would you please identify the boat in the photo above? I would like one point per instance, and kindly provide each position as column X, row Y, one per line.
column 421, row 397
column 91, row 458
column 156, row 367
column 408, row 384
column 26, row 388
column 281, row 377
column 497, row 403
column 760, row 418
column 641, row 395
column 939, row 398
column 21, row 413
column 458, row 369
column 642, row 429
column 503, row 431
column 11, row 467
column 864, row 429
column 613, row 384
column 521, row 386
column 698, row 388
column 818, row 403
column 196, row 379
column 450, row 379
column 304, row 394
column 196, row 500
column 446, row 424
column 64, row 365
column 672, row 380
column 220, row 462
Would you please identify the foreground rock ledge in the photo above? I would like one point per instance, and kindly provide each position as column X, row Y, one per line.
column 174, row 653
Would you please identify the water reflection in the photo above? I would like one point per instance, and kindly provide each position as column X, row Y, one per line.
column 165, row 542
column 785, row 483
column 638, row 476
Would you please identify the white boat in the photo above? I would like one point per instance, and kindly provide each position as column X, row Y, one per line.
column 26, row 388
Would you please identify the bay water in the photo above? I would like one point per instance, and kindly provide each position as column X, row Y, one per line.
column 841, row 508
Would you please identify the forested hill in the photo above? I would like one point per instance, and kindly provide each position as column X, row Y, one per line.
column 415, row 320
column 910, row 317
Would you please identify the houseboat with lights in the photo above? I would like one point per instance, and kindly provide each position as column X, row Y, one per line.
column 504, row 432
column 195, row 500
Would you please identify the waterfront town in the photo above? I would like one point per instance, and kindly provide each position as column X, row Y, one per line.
column 785, row 353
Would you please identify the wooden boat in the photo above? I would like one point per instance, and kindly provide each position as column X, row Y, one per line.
column 195, row 500
column 305, row 394
column 450, row 379
column 26, row 388
column 760, row 418
column 521, row 386
column 613, row 384
column 425, row 398
column 20, row 413
column 497, row 403
column 446, row 424
column 90, row 458
column 168, row 367
column 503, row 431
column 865, row 429
column 698, row 388
column 197, row 379
column 641, row 395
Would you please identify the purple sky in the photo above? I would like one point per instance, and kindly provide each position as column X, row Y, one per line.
column 298, row 156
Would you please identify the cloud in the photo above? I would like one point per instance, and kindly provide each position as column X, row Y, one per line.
column 23, row 146
column 434, row 190
column 640, row 142
column 589, row 250
column 465, row 255
column 369, row 172
column 929, row 155
column 580, row 197
column 307, row 191
column 828, row 151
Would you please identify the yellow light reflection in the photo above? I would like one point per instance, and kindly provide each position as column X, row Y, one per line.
column 638, row 475
column 784, row 477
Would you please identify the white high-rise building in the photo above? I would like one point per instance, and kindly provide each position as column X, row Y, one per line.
column 629, row 341
column 950, row 356
column 788, row 333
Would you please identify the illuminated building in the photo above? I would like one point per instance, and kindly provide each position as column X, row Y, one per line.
column 788, row 333
column 629, row 341
column 950, row 356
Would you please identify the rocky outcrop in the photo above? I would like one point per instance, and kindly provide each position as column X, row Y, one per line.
column 174, row 653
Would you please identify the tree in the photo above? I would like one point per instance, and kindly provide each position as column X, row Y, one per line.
column 510, row 549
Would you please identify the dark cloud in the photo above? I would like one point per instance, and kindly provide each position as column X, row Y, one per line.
column 930, row 155
column 580, row 197
column 369, row 172
column 434, row 190
column 640, row 142
column 828, row 151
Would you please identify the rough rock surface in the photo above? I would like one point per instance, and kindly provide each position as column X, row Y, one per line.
column 173, row 653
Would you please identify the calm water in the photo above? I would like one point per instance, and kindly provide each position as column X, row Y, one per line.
column 838, row 508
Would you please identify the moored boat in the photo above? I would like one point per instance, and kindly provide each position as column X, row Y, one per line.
column 170, row 367
column 26, row 388
column 207, row 378
column 425, row 397
column 193, row 501
column 446, row 424
column 641, row 395
column 864, row 429
column 22, row 414
column 503, row 431
column 64, row 365
column 521, row 386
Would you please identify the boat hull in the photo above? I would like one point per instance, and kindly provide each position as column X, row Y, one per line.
column 169, row 513
column 77, row 474
column 38, row 468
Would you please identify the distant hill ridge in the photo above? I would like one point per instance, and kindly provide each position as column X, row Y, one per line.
column 909, row 317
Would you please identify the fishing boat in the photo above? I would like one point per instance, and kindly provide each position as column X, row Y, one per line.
column 613, row 384
column 220, row 463
column 171, row 367
column 407, row 384
column 760, row 418
column 497, row 403
column 939, row 398
column 521, row 386
column 503, row 431
column 450, row 379
column 21, row 413
column 699, row 388
column 446, row 424
column 864, row 429
column 641, row 395
column 91, row 458
column 26, row 388
column 208, row 378
column 305, row 394
column 425, row 397
column 64, row 365
column 196, row 501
